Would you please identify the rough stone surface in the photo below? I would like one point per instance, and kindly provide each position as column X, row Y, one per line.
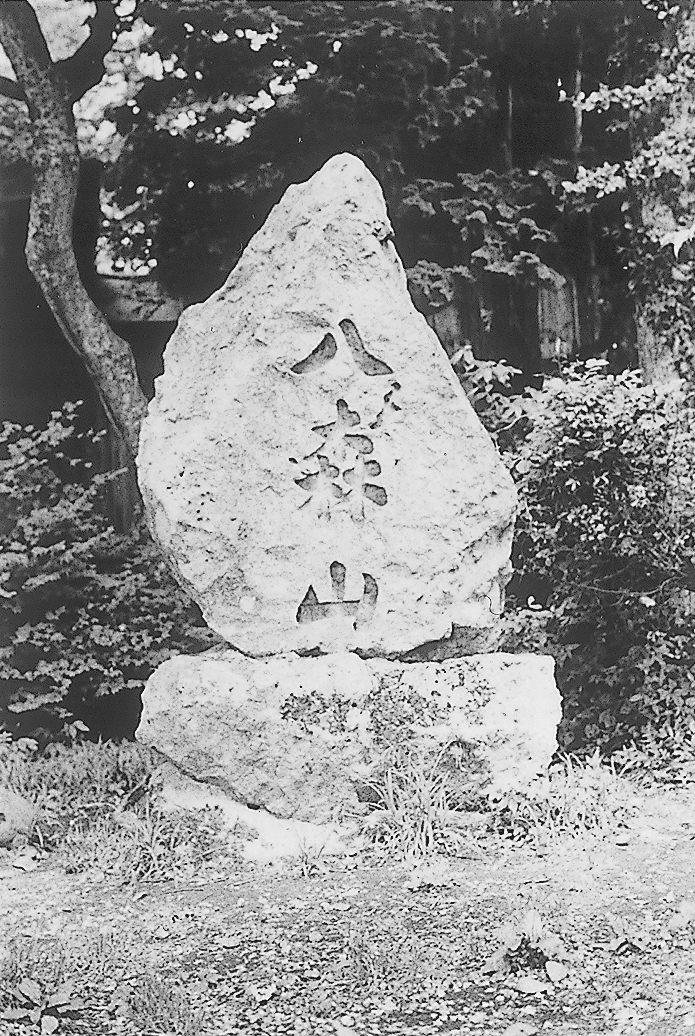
column 299, row 737
column 16, row 816
column 310, row 462
column 256, row 834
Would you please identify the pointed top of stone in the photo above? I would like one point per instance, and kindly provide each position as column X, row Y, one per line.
column 310, row 462
column 343, row 187
column 337, row 182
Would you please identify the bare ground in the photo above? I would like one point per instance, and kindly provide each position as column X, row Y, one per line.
column 365, row 949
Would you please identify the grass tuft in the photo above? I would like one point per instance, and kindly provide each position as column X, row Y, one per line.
column 581, row 796
column 412, row 818
column 663, row 755
column 163, row 1006
column 96, row 812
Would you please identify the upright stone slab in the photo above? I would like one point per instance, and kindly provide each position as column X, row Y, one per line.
column 310, row 462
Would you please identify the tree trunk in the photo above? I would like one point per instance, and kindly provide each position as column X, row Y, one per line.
column 655, row 349
column 577, row 122
column 655, row 356
column 507, row 138
column 49, row 251
column 505, row 92
column 591, row 330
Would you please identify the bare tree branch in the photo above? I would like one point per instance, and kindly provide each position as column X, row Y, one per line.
column 11, row 88
column 84, row 69
column 49, row 250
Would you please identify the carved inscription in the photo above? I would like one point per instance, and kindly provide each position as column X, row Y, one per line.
column 389, row 407
column 368, row 364
column 327, row 348
column 311, row 609
column 319, row 357
column 341, row 471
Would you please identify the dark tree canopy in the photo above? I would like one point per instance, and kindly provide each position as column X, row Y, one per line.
column 428, row 93
column 463, row 110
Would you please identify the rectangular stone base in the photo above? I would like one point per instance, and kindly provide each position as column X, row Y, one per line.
column 300, row 737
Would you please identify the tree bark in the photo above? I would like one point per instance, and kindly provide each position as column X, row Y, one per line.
column 592, row 322
column 505, row 91
column 49, row 251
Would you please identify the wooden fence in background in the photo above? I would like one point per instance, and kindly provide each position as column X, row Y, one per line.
column 499, row 319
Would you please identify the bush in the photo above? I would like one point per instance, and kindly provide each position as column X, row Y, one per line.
column 605, row 544
column 85, row 612
column 495, row 390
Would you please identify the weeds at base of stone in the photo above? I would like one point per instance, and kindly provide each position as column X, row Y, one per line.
column 96, row 811
column 309, row 860
column 581, row 796
column 663, row 755
column 413, row 816
column 148, row 844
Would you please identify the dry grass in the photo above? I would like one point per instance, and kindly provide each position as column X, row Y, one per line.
column 413, row 816
column 581, row 796
column 163, row 1006
column 96, row 811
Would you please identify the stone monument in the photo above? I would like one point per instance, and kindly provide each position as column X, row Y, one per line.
column 321, row 485
column 310, row 462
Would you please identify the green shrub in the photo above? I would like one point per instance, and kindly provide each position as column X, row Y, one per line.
column 605, row 538
column 492, row 389
column 664, row 755
column 85, row 612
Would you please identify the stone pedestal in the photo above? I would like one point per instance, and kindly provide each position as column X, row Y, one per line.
column 299, row 737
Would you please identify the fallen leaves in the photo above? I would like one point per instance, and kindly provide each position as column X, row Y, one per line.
column 261, row 994
column 627, row 936
column 407, row 954
column 529, row 984
column 556, row 971
column 520, row 1029
column 683, row 916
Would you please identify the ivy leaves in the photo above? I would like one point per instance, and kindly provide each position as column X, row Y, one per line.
column 85, row 612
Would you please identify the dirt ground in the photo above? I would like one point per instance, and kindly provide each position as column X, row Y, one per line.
column 356, row 949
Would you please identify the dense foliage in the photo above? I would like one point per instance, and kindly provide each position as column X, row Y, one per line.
column 642, row 194
column 604, row 555
column 502, row 224
column 85, row 613
column 464, row 111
